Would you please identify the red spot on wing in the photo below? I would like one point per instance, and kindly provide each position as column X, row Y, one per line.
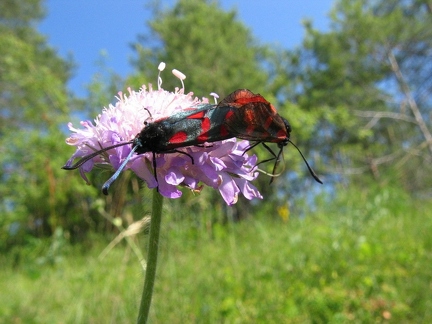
column 282, row 134
column 249, row 116
column 242, row 97
column 178, row 137
column 205, row 127
column 224, row 131
column 268, row 122
column 229, row 114
column 241, row 94
column 257, row 98
column 250, row 129
column 197, row 115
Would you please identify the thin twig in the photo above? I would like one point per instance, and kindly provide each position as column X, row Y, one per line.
column 376, row 115
column 133, row 229
column 411, row 102
column 123, row 234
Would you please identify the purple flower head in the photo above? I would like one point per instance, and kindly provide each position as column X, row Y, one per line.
column 222, row 165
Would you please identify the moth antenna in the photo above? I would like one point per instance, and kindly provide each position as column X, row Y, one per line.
column 148, row 111
column 312, row 172
column 277, row 163
column 108, row 183
column 83, row 160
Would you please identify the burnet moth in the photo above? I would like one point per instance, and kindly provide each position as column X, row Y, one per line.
column 241, row 114
column 257, row 120
column 190, row 127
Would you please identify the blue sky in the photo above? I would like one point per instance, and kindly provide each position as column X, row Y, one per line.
column 85, row 28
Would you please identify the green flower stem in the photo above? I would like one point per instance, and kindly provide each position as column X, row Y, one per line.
column 153, row 245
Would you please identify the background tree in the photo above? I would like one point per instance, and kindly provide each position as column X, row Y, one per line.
column 37, row 196
column 368, row 84
column 215, row 50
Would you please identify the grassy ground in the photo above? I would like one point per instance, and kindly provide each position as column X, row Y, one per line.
column 365, row 264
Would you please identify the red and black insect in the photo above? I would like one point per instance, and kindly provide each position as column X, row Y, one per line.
column 256, row 119
column 242, row 114
column 190, row 127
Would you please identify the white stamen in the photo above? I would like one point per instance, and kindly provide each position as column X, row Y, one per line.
column 161, row 67
column 215, row 96
column 179, row 75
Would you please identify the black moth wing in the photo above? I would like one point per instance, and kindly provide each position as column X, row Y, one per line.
column 186, row 128
column 257, row 121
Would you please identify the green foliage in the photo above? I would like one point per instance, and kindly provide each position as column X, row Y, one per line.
column 32, row 86
column 212, row 47
column 364, row 257
column 15, row 13
column 367, row 92
column 37, row 196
